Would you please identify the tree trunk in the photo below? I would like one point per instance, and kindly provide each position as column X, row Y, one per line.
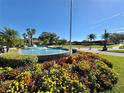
column 90, row 45
column 7, row 48
column 105, row 46
column 31, row 41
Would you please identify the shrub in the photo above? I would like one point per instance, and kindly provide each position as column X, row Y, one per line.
column 83, row 73
column 55, row 81
column 74, row 50
column 5, row 69
column 16, row 60
column 109, row 64
column 16, row 87
column 12, row 74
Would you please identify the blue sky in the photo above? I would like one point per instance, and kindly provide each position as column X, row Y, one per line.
column 89, row 16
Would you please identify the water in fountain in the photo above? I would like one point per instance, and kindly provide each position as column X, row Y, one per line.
column 34, row 45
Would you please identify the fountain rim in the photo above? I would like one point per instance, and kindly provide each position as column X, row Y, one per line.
column 64, row 52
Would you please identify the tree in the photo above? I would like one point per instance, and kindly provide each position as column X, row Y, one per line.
column 10, row 36
column 91, row 37
column 30, row 33
column 2, row 39
column 62, row 42
column 45, row 42
column 53, row 38
column 25, row 38
column 117, row 37
column 106, row 37
column 50, row 38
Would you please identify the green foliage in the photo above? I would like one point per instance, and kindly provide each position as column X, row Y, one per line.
column 9, row 36
column 116, row 51
column 74, row 50
column 13, row 59
column 118, row 63
column 106, row 35
column 59, row 81
column 5, row 69
column 48, row 38
column 83, row 73
column 121, row 47
column 91, row 37
column 62, row 42
column 117, row 37
column 28, row 36
column 30, row 33
column 16, row 87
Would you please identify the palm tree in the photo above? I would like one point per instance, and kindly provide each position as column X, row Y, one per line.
column 10, row 36
column 51, row 38
column 2, row 39
column 30, row 33
column 105, row 37
column 91, row 37
column 25, row 37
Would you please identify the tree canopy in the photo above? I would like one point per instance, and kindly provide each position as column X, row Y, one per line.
column 9, row 36
column 117, row 37
column 91, row 37
column 28, row 36
column 49, row 38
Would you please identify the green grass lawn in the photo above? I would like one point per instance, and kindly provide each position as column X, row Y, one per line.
column 11, row 53
column 116, row 51
column 83, row 46
column 121, row 47
column 118, row 63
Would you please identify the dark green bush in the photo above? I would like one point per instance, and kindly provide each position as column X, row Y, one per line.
column 16, row 60
column 109, row 64
column 74, row 50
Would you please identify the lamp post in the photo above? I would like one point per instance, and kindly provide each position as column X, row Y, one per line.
column 70, row 49
column 106, row 36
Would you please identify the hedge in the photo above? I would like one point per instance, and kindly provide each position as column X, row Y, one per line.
column 74, row 50
column 13, row 59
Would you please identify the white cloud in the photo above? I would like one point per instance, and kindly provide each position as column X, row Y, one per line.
column 100, row 23
column 119, row 30
column 109, row 18
column 95, row 26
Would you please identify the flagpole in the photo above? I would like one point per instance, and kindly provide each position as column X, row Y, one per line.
column 70, row 49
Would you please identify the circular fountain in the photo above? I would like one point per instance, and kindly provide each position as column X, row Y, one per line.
column 44, row 53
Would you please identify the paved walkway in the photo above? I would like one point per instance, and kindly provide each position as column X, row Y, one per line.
column 98, row 51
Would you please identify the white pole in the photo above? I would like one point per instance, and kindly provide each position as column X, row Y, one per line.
column 70, row 49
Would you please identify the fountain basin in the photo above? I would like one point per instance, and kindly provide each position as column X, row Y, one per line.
column 44, row 53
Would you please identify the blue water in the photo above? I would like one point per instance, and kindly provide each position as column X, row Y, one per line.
column 41, row 51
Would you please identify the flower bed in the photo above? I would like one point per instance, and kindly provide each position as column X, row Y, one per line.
column 83, row 73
